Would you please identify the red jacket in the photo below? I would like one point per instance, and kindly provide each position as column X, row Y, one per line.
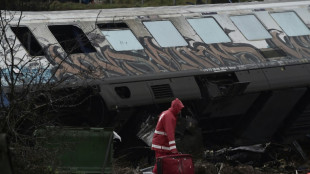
column 163, row 139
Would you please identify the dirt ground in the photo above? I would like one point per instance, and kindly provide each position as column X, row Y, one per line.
column 276, row 159
column 204, row 167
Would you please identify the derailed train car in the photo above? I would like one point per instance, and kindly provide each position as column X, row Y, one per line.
column 241, row 69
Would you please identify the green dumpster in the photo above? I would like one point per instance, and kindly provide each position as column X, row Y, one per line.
column 80, row 150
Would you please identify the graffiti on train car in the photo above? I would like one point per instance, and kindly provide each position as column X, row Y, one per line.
column 295, row 47
column 107, row 62
column 154, row 59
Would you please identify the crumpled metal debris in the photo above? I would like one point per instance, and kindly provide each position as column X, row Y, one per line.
column 241, row 154
column 147, row 170
column 259, row 148
column 146, row 132
column 260, row 158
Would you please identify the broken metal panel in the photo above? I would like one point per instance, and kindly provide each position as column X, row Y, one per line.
column 147, row 129
column 221, row 85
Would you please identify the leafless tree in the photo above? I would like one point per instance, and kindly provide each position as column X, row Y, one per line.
column 30, row 96
column 24, row 80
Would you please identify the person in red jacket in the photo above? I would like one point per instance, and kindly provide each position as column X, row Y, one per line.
column 163, row 142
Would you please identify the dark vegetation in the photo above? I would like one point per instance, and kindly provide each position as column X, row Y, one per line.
column 31, row 98
column 51, row 5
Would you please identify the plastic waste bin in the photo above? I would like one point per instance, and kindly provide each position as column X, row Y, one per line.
column 80, row 150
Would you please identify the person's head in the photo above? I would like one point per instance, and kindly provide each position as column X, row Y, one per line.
column 177, row 106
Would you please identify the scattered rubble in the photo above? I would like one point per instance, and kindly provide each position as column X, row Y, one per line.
column 266, row 158
column 256, row 159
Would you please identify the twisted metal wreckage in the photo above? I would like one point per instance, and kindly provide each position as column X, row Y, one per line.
column 242, row 70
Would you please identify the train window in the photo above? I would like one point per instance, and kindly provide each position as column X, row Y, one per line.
column 291, row 24
column 120, row 36
column 165, row 33
column 28, row 40
column 250, row 27
column 209, row 30
column 72, row 39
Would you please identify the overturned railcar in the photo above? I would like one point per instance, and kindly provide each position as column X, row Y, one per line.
column 241, row 69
